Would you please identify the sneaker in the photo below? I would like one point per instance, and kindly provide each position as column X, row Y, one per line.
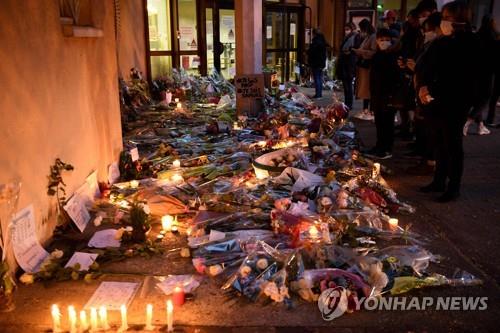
column 483, row 130
column 467, row 125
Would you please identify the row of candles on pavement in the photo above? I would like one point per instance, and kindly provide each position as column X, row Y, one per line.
column 393, row 223
column 99, row 317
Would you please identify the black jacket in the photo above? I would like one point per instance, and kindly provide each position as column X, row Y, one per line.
column 451, row 72
column 317, row 52
column 385, row 78
column 346, row 63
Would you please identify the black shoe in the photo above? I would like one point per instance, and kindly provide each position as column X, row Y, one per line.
column 448, row 196
column 433, row 187
column 412, row 154
column 493, row 125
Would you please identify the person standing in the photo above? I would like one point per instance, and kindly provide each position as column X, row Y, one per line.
column 364, row 54
column 346, row 65
column 487, row 37
column 317, row 60
column 385, row 79
column 448, row 86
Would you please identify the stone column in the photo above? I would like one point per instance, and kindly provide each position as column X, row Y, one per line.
column 248, row 21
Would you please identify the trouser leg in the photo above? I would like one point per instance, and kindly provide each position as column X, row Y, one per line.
column 454, row 146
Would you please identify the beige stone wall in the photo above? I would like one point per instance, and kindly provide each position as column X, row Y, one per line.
column 59, row 98
column 131, row 43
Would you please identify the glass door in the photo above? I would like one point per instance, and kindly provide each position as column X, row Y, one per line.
column 283, row 29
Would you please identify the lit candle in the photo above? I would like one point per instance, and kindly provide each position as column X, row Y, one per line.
column 176, row 100
column 393, row 223
column 178, row 296
column 376, row 170
column 262, row 143
column 176, row 164
column 313, row 232
column 179, row 106
column 176, row 178
column 123, row 312
column 56, row 318
column 170, row 316
column 93, row 320
column 84, row 325
column 134, row 184
column 149, row 318
column 72, row 319
column 166, row 222
column 103, row 317
column 174, row 229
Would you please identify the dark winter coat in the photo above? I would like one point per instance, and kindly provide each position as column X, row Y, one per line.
column 346, row 63
column 385, row 78
column 451, row 74
column 317, row 52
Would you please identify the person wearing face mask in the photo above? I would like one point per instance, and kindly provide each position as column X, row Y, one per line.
column 364, row 53
column 384, row 81
column 346, row 64
column 317, row 60
column 448, row 87
column 487, row 37
column 425, row 8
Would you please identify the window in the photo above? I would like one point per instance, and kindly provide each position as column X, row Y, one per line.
column 81, row 18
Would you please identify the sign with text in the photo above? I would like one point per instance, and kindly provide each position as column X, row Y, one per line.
column 249, row 86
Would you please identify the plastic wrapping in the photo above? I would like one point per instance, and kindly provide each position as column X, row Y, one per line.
column 413, row 256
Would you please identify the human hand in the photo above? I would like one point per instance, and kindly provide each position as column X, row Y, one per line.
column 424, row 95
column 410, row 63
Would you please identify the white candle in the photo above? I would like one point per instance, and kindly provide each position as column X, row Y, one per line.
column 123, row 312
column 93, row 320
column 149, row 318
column 179, row 106
column 176, row 164
column 170, row 316
column 393, row 223
column 72, row 319
column 134, row 184
column 176, row 178
column 376, row 170
column 166, row 222
column 84, row 325
column 103, row 317
column 56, row 318
column 176, row 100
column 313, row 232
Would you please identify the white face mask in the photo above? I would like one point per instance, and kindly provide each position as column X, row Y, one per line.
column 446, row 27
column 383, row 44
column 429, row 36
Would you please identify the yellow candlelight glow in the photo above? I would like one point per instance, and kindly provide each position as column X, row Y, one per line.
column 93, row 320
column 393, row 223
column 56, row 318
column 103, row 317
column 123, row 313
column 176, row 164
column 176, row 178
column 149, row 318
column 313, row 231
column 84, row 325
column 166, row 222
column 72, row 319
column 176, row 100
column 170, row 316
column 134, row 184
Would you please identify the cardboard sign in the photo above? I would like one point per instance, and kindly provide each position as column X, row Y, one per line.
column 249, row 86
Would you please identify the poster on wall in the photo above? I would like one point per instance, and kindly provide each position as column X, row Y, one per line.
column 188, row 38
column 227, row 32
column 269, row 32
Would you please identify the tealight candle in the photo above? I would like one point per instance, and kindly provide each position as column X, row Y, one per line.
column 179, row 106
column 393, row 223
column 72, row 319
column 313, row 232
column 103, row 317
column 175, row 229
column 170, row 316
column 56, row 318
column 176, row 100
column 123, row 313
column 134, row 184
column 376, row 170
column 84, row 325
column 178, row 296
column 166, row 222
column 176, row 178
column 149, row 318
column 93, row 320
column 176, row 164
